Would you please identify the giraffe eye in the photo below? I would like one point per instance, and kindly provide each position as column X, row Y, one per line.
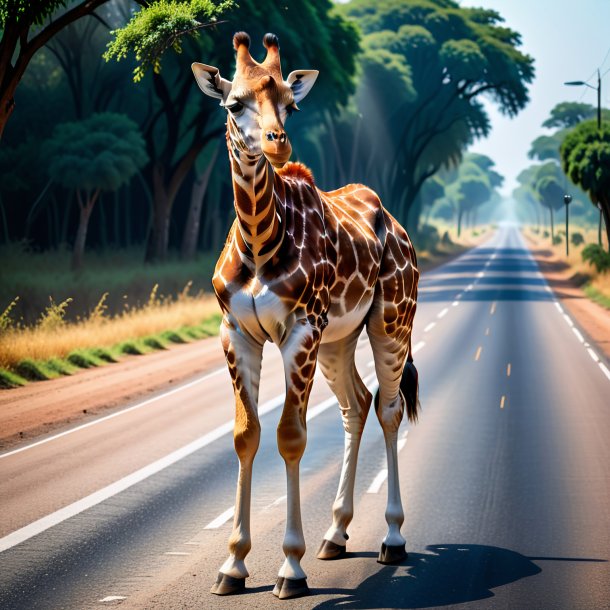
column 235, row 108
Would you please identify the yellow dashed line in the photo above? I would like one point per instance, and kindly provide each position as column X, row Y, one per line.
column 502, row 401
column 508, row 368
column 493, row 308
column 478, row 354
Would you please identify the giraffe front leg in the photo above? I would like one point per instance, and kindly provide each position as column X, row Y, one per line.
column 244, row 357
column 299, row 352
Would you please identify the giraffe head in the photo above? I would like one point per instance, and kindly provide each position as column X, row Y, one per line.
column 259, row 100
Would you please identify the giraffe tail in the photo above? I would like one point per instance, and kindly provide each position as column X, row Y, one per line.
column 409, row 386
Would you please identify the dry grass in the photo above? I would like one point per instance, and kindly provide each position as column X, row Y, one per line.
column 581, row 270
column 52, row 337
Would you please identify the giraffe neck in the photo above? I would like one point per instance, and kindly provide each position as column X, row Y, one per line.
column 256, row 204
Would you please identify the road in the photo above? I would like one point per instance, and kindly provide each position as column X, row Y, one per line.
column 505, row 480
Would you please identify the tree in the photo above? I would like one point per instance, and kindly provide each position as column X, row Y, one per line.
column 548, row 186
column 568, row 114
column 98, row 154
column 455, row 55
column 182, row 122
column 585, row 157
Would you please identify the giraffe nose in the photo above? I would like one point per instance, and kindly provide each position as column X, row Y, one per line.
column 272, row 136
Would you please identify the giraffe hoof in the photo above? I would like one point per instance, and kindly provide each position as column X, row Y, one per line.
column 287, row 588
column 392, row 554
column 228, row 585
column 331, row 550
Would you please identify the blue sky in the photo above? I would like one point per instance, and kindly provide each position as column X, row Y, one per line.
column 569, row 40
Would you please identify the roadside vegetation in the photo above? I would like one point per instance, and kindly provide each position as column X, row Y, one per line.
column 54, row 346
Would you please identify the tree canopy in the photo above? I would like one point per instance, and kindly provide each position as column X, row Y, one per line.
column 585, row 157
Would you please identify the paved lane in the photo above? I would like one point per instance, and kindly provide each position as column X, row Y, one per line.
column 505, row 479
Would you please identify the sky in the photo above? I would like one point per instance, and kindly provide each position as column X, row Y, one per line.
column 569, row 40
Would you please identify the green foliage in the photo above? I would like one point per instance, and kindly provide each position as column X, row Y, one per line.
column 577, row 238
column 84, row 359
column 101, row 152
column 569, row 114
column 53, row 317
column 597, row 256
column 35, row 370
column 544, row 148
column 6, row 321
column 15, row 12
column 9, row 379
column 590, row 291
column 160, row 26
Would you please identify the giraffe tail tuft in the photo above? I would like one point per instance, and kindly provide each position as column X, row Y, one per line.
column 409, row 386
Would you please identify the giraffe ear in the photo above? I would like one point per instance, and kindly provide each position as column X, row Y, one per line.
column 210, row 82
column 301, row 81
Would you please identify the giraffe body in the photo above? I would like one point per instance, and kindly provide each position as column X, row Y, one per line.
column 307, row 270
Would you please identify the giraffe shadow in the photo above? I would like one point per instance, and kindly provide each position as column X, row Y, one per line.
column 447, row 574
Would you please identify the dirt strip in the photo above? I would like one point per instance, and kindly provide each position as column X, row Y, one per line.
column 592, row 318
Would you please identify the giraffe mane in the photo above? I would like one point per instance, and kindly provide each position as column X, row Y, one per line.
column 296, row 170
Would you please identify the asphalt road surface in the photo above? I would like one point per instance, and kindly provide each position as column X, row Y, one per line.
column 505, row 480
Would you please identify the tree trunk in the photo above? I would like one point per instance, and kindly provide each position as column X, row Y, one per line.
column 552, row 227
column 193, row 220
column 459, row 223
column 163, row 201
column 606, row 214
column 86, row 208
column 7, row 105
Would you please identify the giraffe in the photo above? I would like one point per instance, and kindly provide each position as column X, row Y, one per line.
column 307, row 270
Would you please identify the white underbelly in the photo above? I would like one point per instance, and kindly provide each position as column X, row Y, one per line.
column 341, row 326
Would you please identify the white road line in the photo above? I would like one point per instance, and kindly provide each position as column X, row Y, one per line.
column 417, row 347
column 548, row 288
column 442, row 313
column 177, row 553
column 221, row 519
column 117, row 413
column 605, row 370
column 112, row 598
column 429, row 327
column 275, row 502
column 455, row 303
column 401, row 443
column 567, row 319
column 378, row 482
column 469, row 287
column 481, row 274
column 593, row 355
column 578, row 334
column 559, row 308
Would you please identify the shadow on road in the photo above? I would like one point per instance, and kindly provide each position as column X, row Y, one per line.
column 447, row 574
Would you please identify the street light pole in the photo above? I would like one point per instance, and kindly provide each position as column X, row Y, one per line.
column 567, row 200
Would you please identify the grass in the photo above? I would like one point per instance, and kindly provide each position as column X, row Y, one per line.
column 595, row 285
column 55, row 346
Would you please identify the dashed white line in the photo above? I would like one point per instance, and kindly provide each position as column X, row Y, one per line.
column 418, row 346
column 559, row 308
column 177, row 553
column 378, row 481
column 605, row 370
column 481, row 274
column 112, row 598
column 578, row 334
column 429, row 327
column 400, row 445
column 442, row 313
column 593, row 355
column 455, row 303
column 568, row 320
column 469, row 287
column 275, row 502
column 221, row 519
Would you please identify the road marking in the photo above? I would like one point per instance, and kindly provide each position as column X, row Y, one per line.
column 605, row 370
column 430, row 327
column 481, row 274
column 593, row 355
column 493, row 308
column 567, row 319
column 478, row 354
column 221, row 519
column 578, row 334
column 276, row 502
column 400, row 445
column 117, row 413
column 442, row 314
column 417, row 347
column 177, row 553
column 508, row 370
column 502, row 401
column 487, row 332
column 112, row 598
column 378, row 481
column 469, row 287
column 455, row 303
column 547, row 288
column 559, row 308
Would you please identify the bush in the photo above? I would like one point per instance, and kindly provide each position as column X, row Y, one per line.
column 597, row 256
column 557, row 240
column 545, row 233
column 577, row 239
column 446, row 239
column 427, row 237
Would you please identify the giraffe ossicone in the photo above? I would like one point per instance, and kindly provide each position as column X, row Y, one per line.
column 307, row 270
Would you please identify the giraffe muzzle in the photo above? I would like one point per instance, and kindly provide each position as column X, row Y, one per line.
column 276, row 147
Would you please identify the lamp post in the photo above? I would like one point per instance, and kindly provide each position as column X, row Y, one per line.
column 567, row 199
column 581, row 83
